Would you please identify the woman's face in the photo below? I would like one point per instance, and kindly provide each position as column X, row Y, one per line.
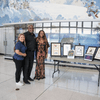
column 41, row 34
column 22, row 38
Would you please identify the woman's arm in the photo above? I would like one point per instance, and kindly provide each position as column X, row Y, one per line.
column 46, row 53
column 47, row 45
column 20, row 53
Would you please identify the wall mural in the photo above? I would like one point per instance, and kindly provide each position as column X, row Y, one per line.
column 12, row 11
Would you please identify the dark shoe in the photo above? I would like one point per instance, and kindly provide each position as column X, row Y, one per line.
column 43, row 77
column 30, row 79
column 27, row 82
column 35, row 77
column 38, row 78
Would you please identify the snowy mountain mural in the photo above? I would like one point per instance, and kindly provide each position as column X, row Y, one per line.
column 36, row 10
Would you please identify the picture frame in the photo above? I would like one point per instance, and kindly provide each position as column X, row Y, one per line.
column 66, row 48
column 91, row 50
column 88, row 57
column 70, row 54
column 55, row 49
column 79, row 50
column 97, row 55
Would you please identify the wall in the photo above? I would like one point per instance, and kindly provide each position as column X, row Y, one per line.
column 35, row 10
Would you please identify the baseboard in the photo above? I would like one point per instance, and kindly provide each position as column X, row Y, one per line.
column 1, row 53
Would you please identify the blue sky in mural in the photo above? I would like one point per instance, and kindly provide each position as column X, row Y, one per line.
column 98, row 3
column 35, row 10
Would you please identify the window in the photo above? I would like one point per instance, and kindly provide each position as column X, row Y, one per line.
column 79, row 24
column 87, row 31
column 38, row 24
column 64, row 24
column 46, row 30
column 79, row 31
column 95, row 24
column 87, row 24
column 64, row 30
column 37, row 30
column 72, row 24
column 46, row 24
column 73, row 30
column 55, row 24
column 55, row 30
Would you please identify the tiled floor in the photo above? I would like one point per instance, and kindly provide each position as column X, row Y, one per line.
column 70, row 84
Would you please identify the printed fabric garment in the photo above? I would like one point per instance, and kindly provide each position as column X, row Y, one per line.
column 41, row 55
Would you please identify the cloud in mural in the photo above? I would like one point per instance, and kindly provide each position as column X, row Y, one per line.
column 47, row 11
column 4, row 19
column 11, row 14
column 8, row 14
column 25, row 14
column 16, row 15
column 44, row 16
column 60, row 17
column 34, row 16
column 67, row 11
column 4, row 4
column 1, row 1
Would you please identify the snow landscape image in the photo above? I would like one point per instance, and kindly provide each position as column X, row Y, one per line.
column 12, row 11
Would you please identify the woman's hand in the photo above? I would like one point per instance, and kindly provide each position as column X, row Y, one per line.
column 46, row 53
column 20, row 53
column 46, row 56
column 24, row 54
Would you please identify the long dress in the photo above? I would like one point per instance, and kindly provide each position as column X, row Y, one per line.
column 41, row 55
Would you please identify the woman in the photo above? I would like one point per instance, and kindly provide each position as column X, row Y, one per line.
column 18, row 57
column 42, row 51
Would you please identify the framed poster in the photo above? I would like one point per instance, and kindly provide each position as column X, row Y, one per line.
column 91, row 50
column 97, row 56
column 70, row 54
column 55, row 49
column 66, row 48
column 79, row 50
column 88, row 57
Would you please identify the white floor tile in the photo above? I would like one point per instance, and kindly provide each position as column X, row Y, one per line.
column 16, row 95
column 69, row 84
column 4, row 77
column 81, row 96
column 7, row 87
column 56, row 93
column 79, row 81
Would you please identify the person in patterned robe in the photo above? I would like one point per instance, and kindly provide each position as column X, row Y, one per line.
column 42, row 51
